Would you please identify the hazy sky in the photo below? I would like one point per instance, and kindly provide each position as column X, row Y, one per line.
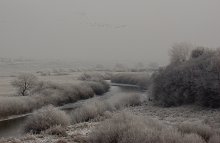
column 105, row 30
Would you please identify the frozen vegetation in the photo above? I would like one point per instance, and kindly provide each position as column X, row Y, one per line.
column 139, row 79
column 193, row 80
column 45, row 93
column 189, row 86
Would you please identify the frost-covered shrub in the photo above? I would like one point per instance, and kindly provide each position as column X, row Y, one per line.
column 95, row 108
column 194, row 81
column 204, row 131
column 100, row 87
column 45, row 118
column 46, row 93
column 128, row 128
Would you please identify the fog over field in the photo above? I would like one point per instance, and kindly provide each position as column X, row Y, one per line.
column 109, row 71
column 105, row 30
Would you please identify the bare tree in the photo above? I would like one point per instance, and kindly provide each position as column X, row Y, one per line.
column 25, row 83
column 179, row 53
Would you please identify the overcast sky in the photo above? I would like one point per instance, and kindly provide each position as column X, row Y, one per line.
column 105, row 30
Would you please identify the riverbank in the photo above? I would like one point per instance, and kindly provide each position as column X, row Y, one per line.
column 14, row 128
column 207, row 119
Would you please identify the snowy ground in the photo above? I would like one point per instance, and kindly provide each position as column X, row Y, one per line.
column 172, row 116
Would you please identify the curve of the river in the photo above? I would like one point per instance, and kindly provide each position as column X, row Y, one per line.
column 14, row 127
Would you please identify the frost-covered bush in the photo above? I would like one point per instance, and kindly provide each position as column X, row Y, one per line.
column 194, row 81
column 95, row 108
column 128, row 128
column 99, row 87
column 46, row 93
column 46, row 118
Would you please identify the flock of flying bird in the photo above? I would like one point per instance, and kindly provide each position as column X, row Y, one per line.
column 99, row 24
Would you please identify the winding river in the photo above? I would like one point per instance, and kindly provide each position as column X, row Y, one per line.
column 14, row 127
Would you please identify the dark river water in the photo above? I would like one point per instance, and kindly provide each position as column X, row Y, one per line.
column 15, row 127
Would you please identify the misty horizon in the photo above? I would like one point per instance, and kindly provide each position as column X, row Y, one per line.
column 105, row 31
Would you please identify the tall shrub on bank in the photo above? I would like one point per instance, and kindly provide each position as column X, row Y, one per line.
column 194, row 81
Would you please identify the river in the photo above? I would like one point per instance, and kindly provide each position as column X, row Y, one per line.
column 14, row 127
